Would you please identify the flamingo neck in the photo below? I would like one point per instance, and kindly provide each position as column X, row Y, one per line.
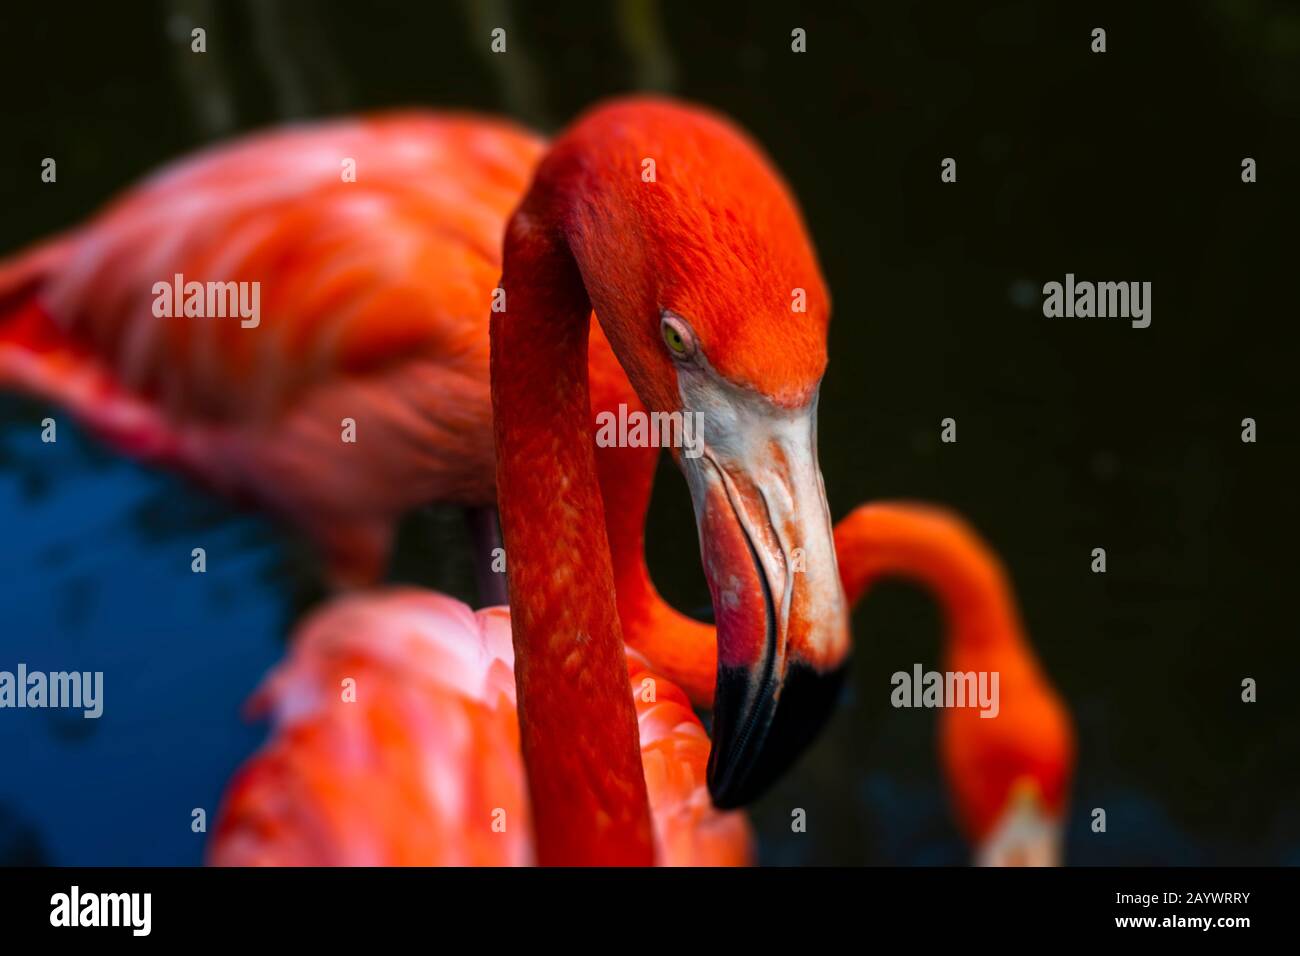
column 940, row 553
column 683, row 650
column 578, row 726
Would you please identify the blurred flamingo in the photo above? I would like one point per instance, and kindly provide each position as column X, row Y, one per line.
column 1008, row 776
column 396, row 742
column 374, row 296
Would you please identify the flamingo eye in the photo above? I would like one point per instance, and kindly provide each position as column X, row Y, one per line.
column 677, row 337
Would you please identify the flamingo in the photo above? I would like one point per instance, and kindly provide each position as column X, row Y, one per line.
column 1008, row 776
column 375, row 295
column 690, row 274
column 421, row 766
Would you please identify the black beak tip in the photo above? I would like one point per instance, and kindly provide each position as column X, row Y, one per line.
column 743, row 765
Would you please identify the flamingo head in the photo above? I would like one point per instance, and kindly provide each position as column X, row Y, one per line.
column 1028, row 832
column 1010, row 775
column 703, row 277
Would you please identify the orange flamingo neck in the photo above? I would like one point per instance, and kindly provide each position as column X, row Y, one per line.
column 939, row 552
column 578, row 727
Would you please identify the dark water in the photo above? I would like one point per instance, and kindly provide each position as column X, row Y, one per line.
column 1072, row 434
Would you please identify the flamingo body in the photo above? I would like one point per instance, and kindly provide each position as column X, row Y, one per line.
column 374, row 304
column 423, row 767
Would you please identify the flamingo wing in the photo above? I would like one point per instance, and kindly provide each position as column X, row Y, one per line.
column 373, row 295
column 358, row 270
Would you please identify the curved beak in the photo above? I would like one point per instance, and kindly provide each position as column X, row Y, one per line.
column 769, row 555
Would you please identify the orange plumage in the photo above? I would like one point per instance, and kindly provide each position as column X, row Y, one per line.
column 422, row 766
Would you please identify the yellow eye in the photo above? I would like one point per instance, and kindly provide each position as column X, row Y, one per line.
column 674, row 338
column 677, row 336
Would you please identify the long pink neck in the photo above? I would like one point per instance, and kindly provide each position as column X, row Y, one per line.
column 577, row 720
